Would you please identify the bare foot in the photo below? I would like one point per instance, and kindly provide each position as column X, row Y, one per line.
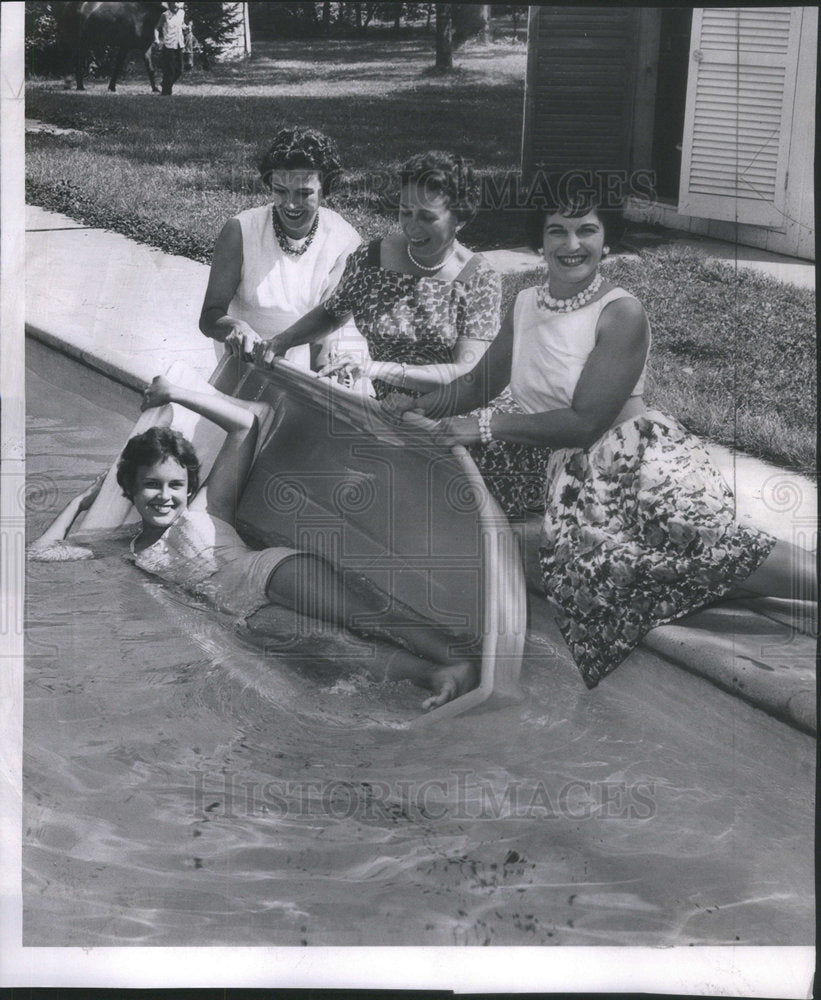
column 451, row 682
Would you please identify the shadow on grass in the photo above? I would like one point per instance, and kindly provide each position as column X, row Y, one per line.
column 347, row 50
column 373, row 133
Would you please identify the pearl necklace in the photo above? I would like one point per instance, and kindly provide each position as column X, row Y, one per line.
column 423, row 267
column 546, row 301
column 287, row 242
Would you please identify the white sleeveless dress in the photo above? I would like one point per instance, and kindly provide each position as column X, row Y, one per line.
column 276, row 289
column 639, row 529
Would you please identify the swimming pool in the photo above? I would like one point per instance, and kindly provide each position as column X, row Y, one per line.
column 184, row 787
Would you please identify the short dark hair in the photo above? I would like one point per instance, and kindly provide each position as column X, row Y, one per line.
column 301, row 148
column 573, row 195
column 448, row 175
column 151, row 447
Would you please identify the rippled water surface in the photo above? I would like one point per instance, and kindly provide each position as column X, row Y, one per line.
column 184, row 787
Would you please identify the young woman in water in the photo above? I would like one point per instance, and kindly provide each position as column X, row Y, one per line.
column 186, row 538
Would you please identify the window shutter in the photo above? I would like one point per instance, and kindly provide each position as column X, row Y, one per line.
column 740, row 97
column 579, row 90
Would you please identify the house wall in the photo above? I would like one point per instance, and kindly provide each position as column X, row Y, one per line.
column 589, row 103
column 796, row 236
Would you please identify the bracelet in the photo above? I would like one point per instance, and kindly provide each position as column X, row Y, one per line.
column 485, row 432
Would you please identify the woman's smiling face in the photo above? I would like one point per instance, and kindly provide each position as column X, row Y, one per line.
column 160, row 493
column 297, row 195
column 572, row 251
column 429, row 224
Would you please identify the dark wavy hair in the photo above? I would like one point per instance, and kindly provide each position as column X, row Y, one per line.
column 574, row 195
column 446, row 174
column 151, row 447
column 301, row 148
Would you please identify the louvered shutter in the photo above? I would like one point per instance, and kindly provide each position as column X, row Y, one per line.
column 740, row 96
column 579, row 89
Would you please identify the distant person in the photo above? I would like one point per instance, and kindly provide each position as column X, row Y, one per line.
column 274, row 263
column 428, row 308
column 192, row 48
column 186, row 538
column 170, row 35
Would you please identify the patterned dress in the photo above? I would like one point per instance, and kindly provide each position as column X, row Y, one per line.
column 417, row 321
column 639, row 529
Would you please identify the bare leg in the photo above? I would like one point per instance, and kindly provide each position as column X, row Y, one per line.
column 313, row 588
column 788, row 572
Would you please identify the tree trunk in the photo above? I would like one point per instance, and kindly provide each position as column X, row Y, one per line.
column 397, row 16
column 444, row 38
column 429, row 7
column 326, row 16
column 484, row 34
column 310, row 14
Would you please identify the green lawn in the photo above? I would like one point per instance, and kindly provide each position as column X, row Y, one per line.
column 733, row 354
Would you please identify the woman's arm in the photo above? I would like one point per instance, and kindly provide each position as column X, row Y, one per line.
column 220, row 492
column 485, row 380
column 59, row 528
column 312, row 326
column 604, row 386
column 223, row 282
column 466, row 355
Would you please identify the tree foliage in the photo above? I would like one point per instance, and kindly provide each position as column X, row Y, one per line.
column 298, row 20
column 469, row 20
column 214, row 25
column 44, row 52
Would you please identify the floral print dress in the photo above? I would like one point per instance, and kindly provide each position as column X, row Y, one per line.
column 639, row 529
column 417, row 321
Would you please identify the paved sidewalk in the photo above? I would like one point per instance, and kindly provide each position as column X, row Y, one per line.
column 129, row 310
column 120, row 306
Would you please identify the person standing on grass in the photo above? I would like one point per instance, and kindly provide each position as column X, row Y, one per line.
column 170, row 35
column 274, row 263
column 639, row 528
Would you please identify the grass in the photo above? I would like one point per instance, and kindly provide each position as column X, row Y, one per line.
column 733, row 353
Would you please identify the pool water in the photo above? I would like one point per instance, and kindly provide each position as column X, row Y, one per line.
column 186, row 787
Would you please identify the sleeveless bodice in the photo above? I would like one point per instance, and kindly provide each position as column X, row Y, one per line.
column 275, row 288
column 551, row 349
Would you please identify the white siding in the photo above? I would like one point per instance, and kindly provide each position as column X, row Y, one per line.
column 740, row 101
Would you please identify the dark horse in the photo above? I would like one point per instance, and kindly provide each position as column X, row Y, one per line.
column 125, row 26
